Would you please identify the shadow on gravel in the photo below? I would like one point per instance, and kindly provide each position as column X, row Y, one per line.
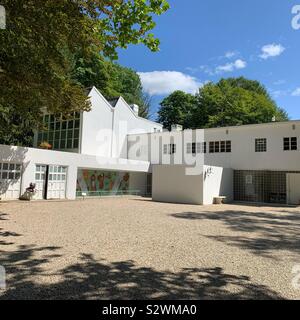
column 94, row 279
column 4, row 235
column 279, row 230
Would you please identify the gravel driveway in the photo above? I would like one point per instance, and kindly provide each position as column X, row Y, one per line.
column 138, row 249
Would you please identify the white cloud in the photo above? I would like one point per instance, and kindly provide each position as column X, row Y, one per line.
column 232, row 66
column 231, row 54
column 271, row 50
column 166, row 82
column 296, row 93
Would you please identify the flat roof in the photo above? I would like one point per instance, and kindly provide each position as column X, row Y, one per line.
column 235, row 127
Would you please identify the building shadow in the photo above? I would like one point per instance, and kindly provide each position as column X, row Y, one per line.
column 277, row 230
column 99, row 279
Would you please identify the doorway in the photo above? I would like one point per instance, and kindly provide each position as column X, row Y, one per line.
column 293, row 183
column 50, row 182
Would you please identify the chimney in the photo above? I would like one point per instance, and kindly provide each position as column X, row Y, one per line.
column 176, row 127
column 135, row 109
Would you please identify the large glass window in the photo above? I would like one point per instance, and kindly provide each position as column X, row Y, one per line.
column 220, row 146
column 59, row 132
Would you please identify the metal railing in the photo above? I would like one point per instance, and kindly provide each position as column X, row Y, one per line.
column 97, row 194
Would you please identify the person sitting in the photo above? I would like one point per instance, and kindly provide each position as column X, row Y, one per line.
column 31, row 188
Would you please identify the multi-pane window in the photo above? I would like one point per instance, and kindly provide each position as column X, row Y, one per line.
column 261, row 145
column 57, row 173
column 170, row 148
column 220, row 146
column 60, row 133
column 290, row 144
column 195, row 148
column 10, row 171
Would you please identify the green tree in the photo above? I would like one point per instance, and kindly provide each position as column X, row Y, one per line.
column 42, row 38
column 113, row 80
column 235, row 101
column 177, row 108
column 230, row 102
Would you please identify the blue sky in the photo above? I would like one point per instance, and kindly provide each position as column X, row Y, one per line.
column 205, row 40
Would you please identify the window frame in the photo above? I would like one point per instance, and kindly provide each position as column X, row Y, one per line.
column 261, row 145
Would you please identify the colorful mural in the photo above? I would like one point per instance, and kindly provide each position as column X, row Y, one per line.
column 96, row 182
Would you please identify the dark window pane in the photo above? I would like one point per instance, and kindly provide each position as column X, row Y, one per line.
column 77, row 124
column 76, row 134
column 70, row 144
column 217, row 146
column 63, row 134
column 228, row 146
column 211, row 147
column 76, row 144
column 223, row 146
column 57, row 126
column 193, row 148
column 71, row 124
column 294, row 144
column 70, row 134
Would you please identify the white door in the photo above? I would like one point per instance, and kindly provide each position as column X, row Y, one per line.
column 40, row 181
column 10, row 180
column 293, row 183
column 57, row 182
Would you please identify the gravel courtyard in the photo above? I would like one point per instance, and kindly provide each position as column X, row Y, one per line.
column 138, row 249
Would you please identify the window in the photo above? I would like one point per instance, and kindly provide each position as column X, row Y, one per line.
column 61, row 133
column 290, row 144
column 195, row 148
column 169, row 148
column 220, row 146
column 10, row 171
column 261, row 145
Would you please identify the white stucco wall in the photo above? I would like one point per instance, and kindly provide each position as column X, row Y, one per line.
column 30, row 157
column 105, row 128
column 242, row 156
column 171, row 184
column 97, row 126
column 217, row 181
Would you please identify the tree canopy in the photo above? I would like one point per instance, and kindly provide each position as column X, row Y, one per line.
column 42, row 41
column 113, row 80
column 177, row 108
column 232, row 101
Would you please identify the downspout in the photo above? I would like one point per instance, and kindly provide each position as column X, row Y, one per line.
column 112, row 132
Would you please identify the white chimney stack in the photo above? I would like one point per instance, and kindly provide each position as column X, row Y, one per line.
column 135, row 109
column 176, row 127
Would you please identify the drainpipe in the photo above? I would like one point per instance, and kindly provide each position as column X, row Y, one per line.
column 112, row 132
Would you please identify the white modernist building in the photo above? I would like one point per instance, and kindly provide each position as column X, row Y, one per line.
column 111, row 150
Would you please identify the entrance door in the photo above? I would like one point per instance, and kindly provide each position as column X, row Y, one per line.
column 293, row 182
column 57, row 182
column 10, row 180
column 40, row 180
